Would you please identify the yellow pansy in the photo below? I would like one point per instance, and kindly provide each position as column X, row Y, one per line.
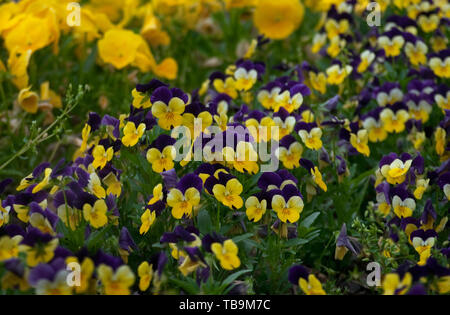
column 312, row 286
column 360, row 142
column 288, row 211
column 229, row 195
column 96, row 215
column 118, row 282
column 255, row 209
column 145, row 273
column 147, row 220
column 227, row 254
column 132, row 134
column 311, row 139
column 182, row 204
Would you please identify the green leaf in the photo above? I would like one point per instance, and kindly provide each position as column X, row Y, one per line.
column 295, row 242
column 204, row 222
column 308, row 221
column 234, row 276
column 242, row 237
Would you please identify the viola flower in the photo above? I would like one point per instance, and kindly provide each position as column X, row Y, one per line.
column 360, row 142
column 416, row 51
column 367, row 57
column 392, row 42
column 402, row 203
column 45, row 181
column 308, row 283
column 315, row 174
column 318, row 81
column 245, row 158
column 394, row 119
column 113, row 183
column 289, row 152
column 277, row 20
column 268, row 94
column 319, row 40
column 260, row 126
column 310, row 135
column 442, row 97
column 276, row 181
column 227, row 254
column 4, row 214
column 344, row 244
column 50, row 279
column 421, row 187
column 292, row 98
column 185, row 196
column 39, row 247
column 96, row 215
column 423, row 241
column 140, row 100
column 336, row 74
column 132, row 134
column 394, row 285
column 394, row 169
column 95, row 186
column 284, row 122
column 429, row 21
column 194, row 114
column 116, row 282
column 162, row 154
column 255, row 208
column 86, row 272
column 383, row 199
column 44, row 220
column 224, row 84
column 228, row 191
column 389, row 94
column 168, row 106
column 440, row 63
column 444, row 184
column 247, row 74
column 10, row 247
column 336, row 45
column 192, row 261
column 145, row 273
column 102, row 156
column 440, row 136
column 288, row 204
column 374, row 126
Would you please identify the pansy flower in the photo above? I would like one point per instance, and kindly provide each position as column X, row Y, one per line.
column 276, row 180
column 131, row 134
column 310, row 134
column 227, row 190
column 260, row 126
column 96, row 214
column 188, row 236
column 344, row 243
column 394, row 118
column 102, row 156
column 366, row 59
column 224, row 84
column 389, row 94
column 440, row 63
column 394, row 168
column 308, row 283
column 162, row 153
column 383, row 198
column 360, row 141
column 403, row 203
column 197, row 118
column 287, row 203
column 423, row 241
column 442, row 97
column 392, row 42
column 289, row 152
column 291, row 98
column 44, row 220
column 50, row 279
column 416, row 50
column 268, row 94
column 315, row 173
column 185, row 196
column 284, row 122
column 255, row 207
column 168, row 106
column 374, row 126
column 39, row 247
column 247, row 73
column 243, row 158
column 428, row 21
column 444, row 184
column 145, row 273
column 337, row 73
column 192, row 261
column 394, row 284
column 227, row 254
column 116, row 282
